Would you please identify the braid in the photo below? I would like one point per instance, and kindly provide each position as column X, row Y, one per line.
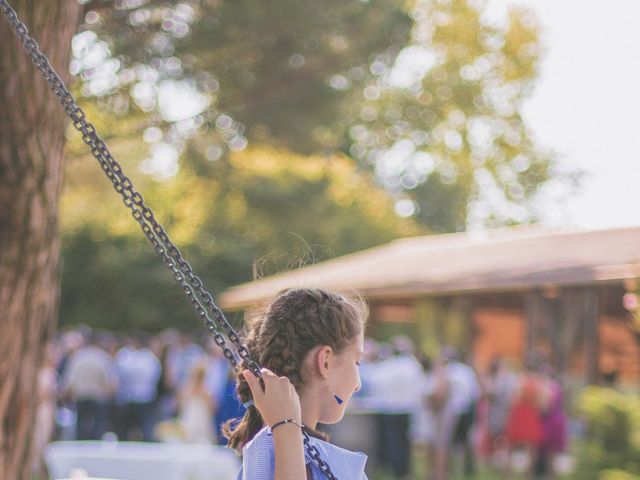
column 297, row 321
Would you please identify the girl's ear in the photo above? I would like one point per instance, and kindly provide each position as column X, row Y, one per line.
column 324, row 359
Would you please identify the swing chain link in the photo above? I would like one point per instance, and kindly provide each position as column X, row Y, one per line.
column 171, row 256
column 315, row 454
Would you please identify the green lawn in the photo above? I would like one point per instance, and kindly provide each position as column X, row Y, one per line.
column 419, row 471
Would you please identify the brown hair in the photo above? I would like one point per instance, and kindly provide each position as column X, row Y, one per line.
column 297, row 321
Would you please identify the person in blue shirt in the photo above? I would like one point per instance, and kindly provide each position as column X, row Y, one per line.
column 310, row 343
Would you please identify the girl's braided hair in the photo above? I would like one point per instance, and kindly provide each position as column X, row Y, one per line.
column 297, row 321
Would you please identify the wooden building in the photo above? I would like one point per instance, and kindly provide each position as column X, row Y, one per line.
column 499, row 293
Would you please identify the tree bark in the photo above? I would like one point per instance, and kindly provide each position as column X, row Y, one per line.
column 32, row 138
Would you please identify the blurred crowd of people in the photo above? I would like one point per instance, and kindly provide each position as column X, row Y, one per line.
column 166, row 387
column 170, row 387
column 508, row 418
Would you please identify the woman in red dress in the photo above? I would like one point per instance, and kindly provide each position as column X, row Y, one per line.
column 524, row 426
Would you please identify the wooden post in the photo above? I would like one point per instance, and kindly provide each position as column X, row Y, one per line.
column 533, row 310
column 427, row 319
column 591, row 312
column 557, row 322
column 463, row 307
column 571, row 324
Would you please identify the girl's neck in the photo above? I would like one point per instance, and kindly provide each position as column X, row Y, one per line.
column 310, row 410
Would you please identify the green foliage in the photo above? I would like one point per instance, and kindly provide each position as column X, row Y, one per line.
column 460, row 148
column 266, row 64
column 262, row 209
column 425, row 93
column 611, row 449
column 615, row 474
column 319, row 91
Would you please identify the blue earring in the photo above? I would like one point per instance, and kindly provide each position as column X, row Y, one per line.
column 338, row 399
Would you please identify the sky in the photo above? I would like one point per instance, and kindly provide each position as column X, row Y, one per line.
column 585, row 106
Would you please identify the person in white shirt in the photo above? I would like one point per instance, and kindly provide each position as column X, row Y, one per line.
column 464, row 393
column 138, row 372
column 399, row 380
column 90, row 381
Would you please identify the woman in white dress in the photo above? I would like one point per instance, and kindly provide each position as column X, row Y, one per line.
column 196, row 408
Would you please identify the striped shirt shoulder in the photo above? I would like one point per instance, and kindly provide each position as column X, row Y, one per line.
column 258, row 459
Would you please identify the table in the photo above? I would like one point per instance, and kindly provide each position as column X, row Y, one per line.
column 142, row 461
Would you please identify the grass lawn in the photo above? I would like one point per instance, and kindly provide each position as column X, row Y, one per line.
column 419, row 471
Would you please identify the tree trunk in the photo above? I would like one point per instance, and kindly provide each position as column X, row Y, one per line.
column 31, row 146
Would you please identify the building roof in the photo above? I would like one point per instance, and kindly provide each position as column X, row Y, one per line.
column 496, row 260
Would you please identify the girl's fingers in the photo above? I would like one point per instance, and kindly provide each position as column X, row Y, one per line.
column 248, row 376
column 268, row 377
column 253, row 382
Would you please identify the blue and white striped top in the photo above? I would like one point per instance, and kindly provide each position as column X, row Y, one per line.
column 258, row 459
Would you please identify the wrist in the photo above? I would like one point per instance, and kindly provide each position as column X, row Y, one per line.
column 285, row 422
column 288, row 434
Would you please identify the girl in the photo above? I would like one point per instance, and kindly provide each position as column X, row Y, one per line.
column 310, row 342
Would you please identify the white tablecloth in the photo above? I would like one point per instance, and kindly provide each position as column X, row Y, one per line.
column 142, row 461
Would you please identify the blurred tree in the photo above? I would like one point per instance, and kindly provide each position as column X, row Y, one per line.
column 31, row 148
column 269, row 70
column 426, row 92
column 263, row 206
column 442, row 123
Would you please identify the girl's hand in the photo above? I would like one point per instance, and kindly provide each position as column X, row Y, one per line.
column 279, row 400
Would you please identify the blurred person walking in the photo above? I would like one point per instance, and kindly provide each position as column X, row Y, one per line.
column 166, row 392
column 196, row 407
column 183, row 355
column 90, row 382
column 464, row 393
column 498, row 388
column 216, row 379
column 435, row 423
column 47, row 396
column 400, row 376
column 138, row 371
column 554, row 425
column 524, row 425
column 228, row 408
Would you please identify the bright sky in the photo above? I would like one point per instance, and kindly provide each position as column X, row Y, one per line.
column 586, row 105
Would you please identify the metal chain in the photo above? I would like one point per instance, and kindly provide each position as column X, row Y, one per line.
column 313, row 452
column 213, row 318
